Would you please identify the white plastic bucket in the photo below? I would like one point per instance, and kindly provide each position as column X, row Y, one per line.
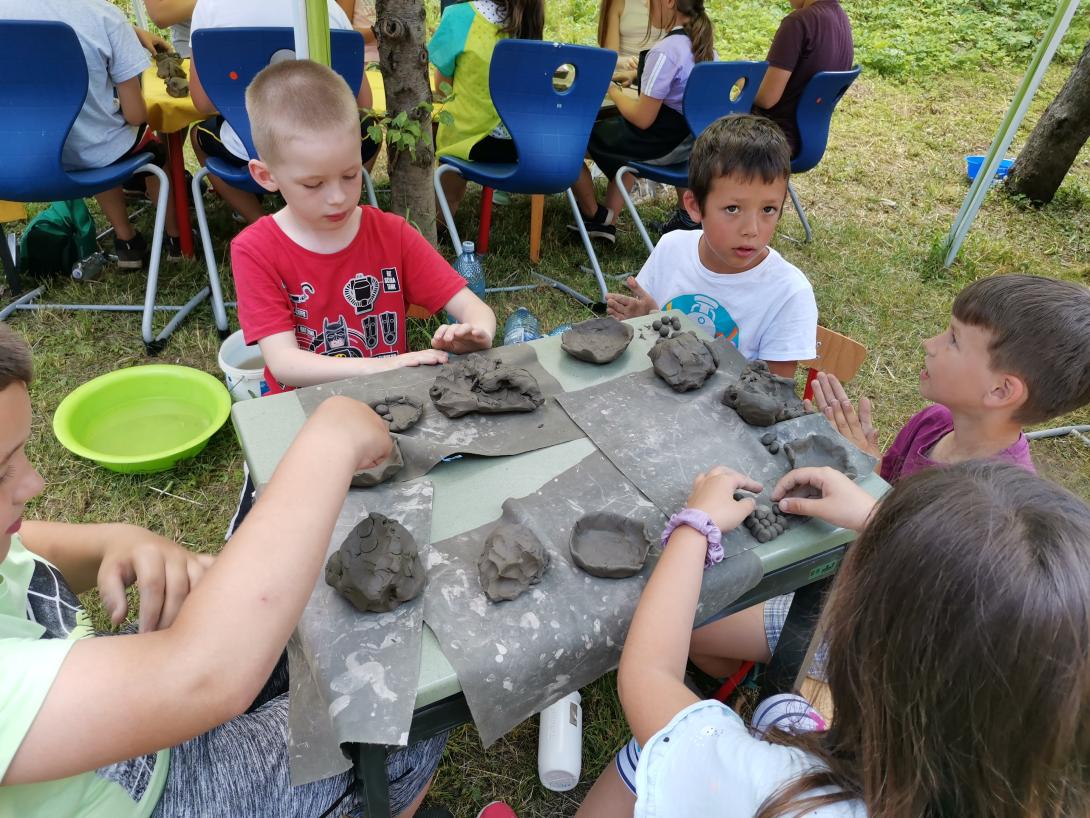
column 243, row 368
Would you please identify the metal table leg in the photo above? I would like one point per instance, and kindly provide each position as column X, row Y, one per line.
column 783, row 671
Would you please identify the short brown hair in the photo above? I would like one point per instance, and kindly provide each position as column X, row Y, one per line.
column 297, row 95
column 744, row 144
column 14, row 358
column 1040, row 330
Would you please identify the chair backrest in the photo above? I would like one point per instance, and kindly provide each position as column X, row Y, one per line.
column 550, row 127
column 709, row 88
column 44, row 82
column 228, row 59
column 836, row 354
column 815, row 112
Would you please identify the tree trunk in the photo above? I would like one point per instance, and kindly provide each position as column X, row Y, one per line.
column 1056, row 140
column 403, row 57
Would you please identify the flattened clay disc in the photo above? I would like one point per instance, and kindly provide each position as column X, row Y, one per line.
column 608, row 545
column 380, row 473
column 819, row 450
column 400, row 413
column 597, row 341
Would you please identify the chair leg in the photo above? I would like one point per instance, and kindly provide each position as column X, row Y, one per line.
column 7, row 258
column 151, row 344
column 631, row 205
column 537, row 220
column 370, row 184
column 219, row 312
column 802, row 213
column 587, row 244
column 448, row 217
column 485, row 226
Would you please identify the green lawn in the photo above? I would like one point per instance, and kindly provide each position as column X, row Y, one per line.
column 937, row 78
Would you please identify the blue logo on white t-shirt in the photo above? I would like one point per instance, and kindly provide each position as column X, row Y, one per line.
column 708, row 313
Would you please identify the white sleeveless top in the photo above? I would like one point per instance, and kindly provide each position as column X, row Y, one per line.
column 633, row 29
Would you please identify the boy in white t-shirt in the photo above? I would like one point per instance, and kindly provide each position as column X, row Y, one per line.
column 725, row 276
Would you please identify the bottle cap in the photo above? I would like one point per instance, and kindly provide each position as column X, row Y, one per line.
column 468, row 247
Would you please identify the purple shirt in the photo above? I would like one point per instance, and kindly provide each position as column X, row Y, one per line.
column 666, row 70
column 911, row 451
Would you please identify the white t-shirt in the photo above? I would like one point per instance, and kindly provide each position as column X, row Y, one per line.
column 706, row 763
column 253, row 13
column 769, row 312
column 100, row 135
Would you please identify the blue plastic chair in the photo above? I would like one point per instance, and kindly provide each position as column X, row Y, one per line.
column 44, row 85
column 814, row 114
column 550, row 127
column 228, row 59
column 708, row 96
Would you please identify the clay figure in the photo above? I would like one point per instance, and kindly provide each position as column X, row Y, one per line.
column 766, row 523
column 168, row 64
column 608, row 545
column 597, row 341
column 513, row 559
column 819, row 450
column 400, row 413
column 178, row 87
column 478, row 384
column 380, row 473
column 378, row 565
column 761, row 398
column 684, row 361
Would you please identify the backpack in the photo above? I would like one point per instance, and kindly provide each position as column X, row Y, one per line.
column 57, row 239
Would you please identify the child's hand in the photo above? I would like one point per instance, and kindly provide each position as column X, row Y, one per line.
column 713, row 493
column 152, row 42
column 460, row 338
column 630, row 306
column 359, row 426
column 164, row 571
column 425, row 357
column 832, row 401
column 838, row 501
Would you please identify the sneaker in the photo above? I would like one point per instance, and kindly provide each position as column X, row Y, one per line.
column 596, row 226
column 172, row 246
column 497, row 809
column 131, row 254
column 679, row 220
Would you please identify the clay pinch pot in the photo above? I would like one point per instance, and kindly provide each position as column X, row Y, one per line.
column 512, row 560
column 761, row 398
column 819, row 450
column 401, row 413
column 684, row 361
column 608, row 545
column 380, row 473
column 598, row 340
column 378, row 566
column 479, row 384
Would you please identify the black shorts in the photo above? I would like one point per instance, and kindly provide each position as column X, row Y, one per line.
column 615, row 141
column 208, row 138
column 147, row 141
column 492, row 149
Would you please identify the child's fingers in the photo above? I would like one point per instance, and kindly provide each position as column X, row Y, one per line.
column 176, row 572
column 809, row 476
column 111, row 588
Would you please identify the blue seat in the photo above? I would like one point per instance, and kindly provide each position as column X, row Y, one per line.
column 228, row 59
column 550, row 126
column 814, row 114
column 709, row 95
column 44, row 85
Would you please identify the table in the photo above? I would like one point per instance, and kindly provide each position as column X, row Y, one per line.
column 171, row 115
column 469, row 492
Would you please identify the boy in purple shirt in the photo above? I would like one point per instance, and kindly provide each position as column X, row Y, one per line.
column 1016, row 352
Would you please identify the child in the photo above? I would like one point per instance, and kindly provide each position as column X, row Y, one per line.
column 652, row 126
column 86, row 721
column 625, row 26
column 175, row 15
column 461, row 51
column 925, row 684
column 108, row 127
column 726, row 276
column 362, row 15
column 324, row 284
column 1016, row 351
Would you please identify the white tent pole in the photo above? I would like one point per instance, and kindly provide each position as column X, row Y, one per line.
column 302, row 39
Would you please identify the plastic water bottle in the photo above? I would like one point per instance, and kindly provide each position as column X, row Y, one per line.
column 468, row 266
column 521, row 326
column 560, row 330
column 560, row 744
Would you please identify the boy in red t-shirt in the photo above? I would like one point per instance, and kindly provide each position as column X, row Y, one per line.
column 324, row 285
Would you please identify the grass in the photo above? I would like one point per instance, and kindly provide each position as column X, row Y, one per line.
column 937, row 78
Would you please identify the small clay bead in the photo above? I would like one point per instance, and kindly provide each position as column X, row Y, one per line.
column 774, row 446
column 675, row 321
column 382, row 409
column 776, row 508
column 763, row 536
column 767, row 438
column 778, row 529
column 739, row 496
column 656, row 325
column 664, row 331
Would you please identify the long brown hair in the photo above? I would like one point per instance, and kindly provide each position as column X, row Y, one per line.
column 959, row 655
column 698, row 29
column 523, row 19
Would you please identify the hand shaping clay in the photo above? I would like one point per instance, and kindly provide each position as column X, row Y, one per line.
column 684, row 361
column 513, row 559
column 400, row 413
column 761, row 398
column 478, row 384
column 819, row 450
column 380, row 473
column 168, row 64
column 378, row 565
column 766, row 523
column 599, row 340
column 608, row 545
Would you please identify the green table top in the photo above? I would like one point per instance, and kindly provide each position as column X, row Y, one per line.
column 470, row 492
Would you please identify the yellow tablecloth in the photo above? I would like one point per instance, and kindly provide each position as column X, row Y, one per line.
column 378, row 92
column 167, row 114
column 12, row 212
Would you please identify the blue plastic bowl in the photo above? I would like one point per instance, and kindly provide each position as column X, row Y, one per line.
column 973, row 163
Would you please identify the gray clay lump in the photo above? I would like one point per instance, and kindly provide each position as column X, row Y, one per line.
column 478, row 384
column 819, row 450
column 684, row 361
column 378, row 566
column 513, row 559
column 380, row 473
column 766, row 523
column 400, row 413
column 761, row 398
column 608, row 545
column 597, row 341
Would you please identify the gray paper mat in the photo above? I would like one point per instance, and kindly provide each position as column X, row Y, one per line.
column 354, row 675
column 436, row 436
column 515, row 658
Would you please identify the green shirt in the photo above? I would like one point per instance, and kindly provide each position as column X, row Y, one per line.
column 40, row 618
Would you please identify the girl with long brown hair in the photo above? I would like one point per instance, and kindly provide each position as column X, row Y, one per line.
column 959, row 660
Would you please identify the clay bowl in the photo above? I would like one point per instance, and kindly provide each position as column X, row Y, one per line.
column 608, row 545
column 597, row 341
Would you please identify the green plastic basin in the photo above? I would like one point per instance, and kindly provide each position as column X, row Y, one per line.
column 142, row 419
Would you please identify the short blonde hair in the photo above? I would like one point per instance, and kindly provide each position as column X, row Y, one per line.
column 14, row 358
column 295, row 96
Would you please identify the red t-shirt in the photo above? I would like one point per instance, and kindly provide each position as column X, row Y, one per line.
column 348, row 304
